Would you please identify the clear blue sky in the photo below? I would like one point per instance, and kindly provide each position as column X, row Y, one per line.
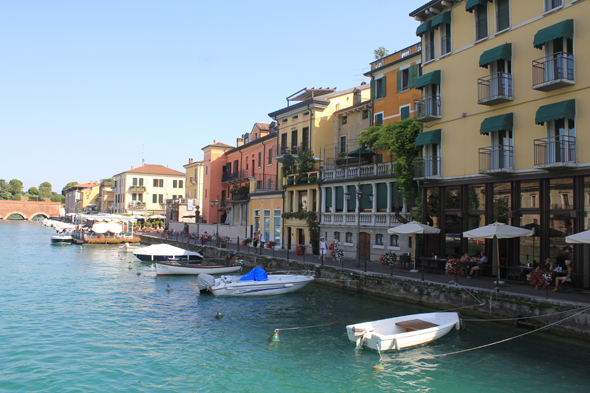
column 88, row 88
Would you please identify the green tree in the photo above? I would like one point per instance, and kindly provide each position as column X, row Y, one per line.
column 70, row 184
column 16, row 186
column 288, row 166
column 33, row 191
column 45, row 190
column 16, row 197
column 4, row 190
column 380, row 53
column 57, row 198
column 399, row 140
column 306, row 161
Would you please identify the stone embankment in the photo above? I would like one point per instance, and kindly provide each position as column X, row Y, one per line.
column 527, row 311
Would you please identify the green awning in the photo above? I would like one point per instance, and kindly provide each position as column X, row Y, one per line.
column 428, row 138
column 502, row 52
column 559, row 110
column 361, row 152
column 471, row 4
column 497, row 123
column 558, row 30
column 445, row 17
column 432, row 78
column 423, row 28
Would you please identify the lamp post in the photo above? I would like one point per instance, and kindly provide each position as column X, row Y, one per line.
column 216, row 203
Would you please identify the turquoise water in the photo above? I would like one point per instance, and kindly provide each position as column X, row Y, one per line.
column 77, row 319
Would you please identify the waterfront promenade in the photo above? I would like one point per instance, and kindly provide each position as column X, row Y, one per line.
column 573, row 296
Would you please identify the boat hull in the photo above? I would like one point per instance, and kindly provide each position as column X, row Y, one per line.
column 387, row 335
column 172, row 269
column 61, row 240
column 275, row 285
column 168, row 258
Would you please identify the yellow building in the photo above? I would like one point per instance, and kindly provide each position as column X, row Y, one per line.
column 194, row 182
column 306, row 125
column 503, row 89
column 146, row 189
column 82, row 197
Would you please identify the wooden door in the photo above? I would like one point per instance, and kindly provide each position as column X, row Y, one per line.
column 365, row 246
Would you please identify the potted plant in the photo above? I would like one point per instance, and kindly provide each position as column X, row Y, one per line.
column 388, row 259
column 271, row 244
column 300, row 249
column 246, row 241
column 539, row 278
column 453, row 267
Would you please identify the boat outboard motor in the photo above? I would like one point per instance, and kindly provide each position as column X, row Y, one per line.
column 205, row 282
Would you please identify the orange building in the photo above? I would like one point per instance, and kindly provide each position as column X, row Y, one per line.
column 214, row 165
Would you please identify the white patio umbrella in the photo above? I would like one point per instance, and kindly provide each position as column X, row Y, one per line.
column 582, row 237
column 413, row 228
column 498, row 230
column 100, row 227
column 113, row 227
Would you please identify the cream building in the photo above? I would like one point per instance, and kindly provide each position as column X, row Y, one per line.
column 145, row 189
column 82, row 197
column 504, row 99
column 194, row 182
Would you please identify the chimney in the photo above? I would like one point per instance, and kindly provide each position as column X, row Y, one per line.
column 239, row 142
column 132, row 167
column 214, row 141
column 356, row 97
column 190, row 160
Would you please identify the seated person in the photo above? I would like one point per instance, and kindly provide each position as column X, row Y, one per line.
column 466, row 258
column 229, row 258
column 547, row 265
column 475, row 268
column 562, row 279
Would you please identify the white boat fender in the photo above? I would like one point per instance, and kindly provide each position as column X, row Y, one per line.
column 458, row 324
column 361, row 338
column 219, row 315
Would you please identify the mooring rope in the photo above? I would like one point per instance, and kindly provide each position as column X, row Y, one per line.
column 517, row 318
column 307, row 327
column 491, row 344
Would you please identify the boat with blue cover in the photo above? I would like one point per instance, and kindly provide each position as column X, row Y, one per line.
column 258, row 283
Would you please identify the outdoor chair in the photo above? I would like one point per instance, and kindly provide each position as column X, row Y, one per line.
column 514, row 273
column 405, row 260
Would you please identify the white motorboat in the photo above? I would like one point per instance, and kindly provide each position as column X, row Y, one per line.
column 130, row 247
column 174, row 268
column 166, row 253
column 393, row 334
column 257, row 283
column 62, row 238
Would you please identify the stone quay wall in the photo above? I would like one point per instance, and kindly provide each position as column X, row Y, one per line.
column 533, row 312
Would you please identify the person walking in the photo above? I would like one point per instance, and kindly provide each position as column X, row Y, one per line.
column 256, row 242
column 333, row 247
column 262, row 240
column 322, row 251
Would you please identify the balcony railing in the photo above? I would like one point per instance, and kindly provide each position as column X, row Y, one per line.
column 239, row 197
column 553, row 72
column 136, row 204
column 427, row 167
column 359, row 171
column 266, row 182
column 496, row 159
column 193, row 180
column 556, row 151
column 369, row 219
column 234, row 176
column 494, row 89
column 137, row 188
column 427, row 108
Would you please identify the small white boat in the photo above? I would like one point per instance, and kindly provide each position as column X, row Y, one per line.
column 166, row 253
column 62, row 238
column 393, row 334
column 192, row 267
column 257, row 283
column 130, row 247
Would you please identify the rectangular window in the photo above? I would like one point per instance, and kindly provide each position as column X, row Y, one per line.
column 551, row 4
column 337, row 236
column 302, row 201
column 405, row 112
column 430, row 53
column 294, row 139
column 283, row 147
column 141, row 181
column 140, row 197
column 445, row 39
column 502, row 14
column 379, row 120
column 206, row 170
column 394, row 241
column 180, row 183
column 154, row 198
column 365, row 114
column 259, row 159
column 205, row 193
column 155, row 183
column 161, row 182
column 481, row 22
column 344, row 120
column 305, row 138
column 380, row 87
column 135, row 181
column 343, row 144
column 160, row 198
column 174, row 183
column 270, row 156
column 348, row 237
column 133, row 196
column 378, row 239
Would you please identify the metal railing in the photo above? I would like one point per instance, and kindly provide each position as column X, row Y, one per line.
column 557, row 68
column 494, row 88
column 427, row 167
column 137, row 188
column 499, row 158
column 428, row 107
column 193, row 180
column 555, row 150
column 133, row 204
column 292, row 149
column 266, row 182
column 359, row 171
column 234, row 176
column 239, row 197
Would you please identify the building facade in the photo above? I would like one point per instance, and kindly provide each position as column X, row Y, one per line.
column 194, row 183
column 501, row 78
column 145, row 189
column 82, row 197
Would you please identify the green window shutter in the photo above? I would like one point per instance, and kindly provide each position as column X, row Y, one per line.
column 339, row 198
column 413, row 75
column 405, row 112
column 482, row 21
column 399, row 81
column 383, row 87
column 382, row 196
column 394, row 196
column 154, row 198
column 328, row 197
column 351, row 204
column 379, row 158
column 379, row 120
column 366, row 189
column 372, row 89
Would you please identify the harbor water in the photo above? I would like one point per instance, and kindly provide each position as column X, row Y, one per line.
column 94, row 319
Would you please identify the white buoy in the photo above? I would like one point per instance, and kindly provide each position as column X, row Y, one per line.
column 168, row 288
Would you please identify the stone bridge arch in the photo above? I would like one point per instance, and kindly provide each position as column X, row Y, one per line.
column 15, row 212
column 44, row 215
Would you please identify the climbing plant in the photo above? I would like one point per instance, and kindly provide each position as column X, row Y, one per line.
column 289, row 165
column 306, row 161
column 398, row 139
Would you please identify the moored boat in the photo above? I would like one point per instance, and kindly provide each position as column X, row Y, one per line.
column 397, row 333
column 257, row 282
column 61, row 238
column 192, row 267
column 166, row 253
